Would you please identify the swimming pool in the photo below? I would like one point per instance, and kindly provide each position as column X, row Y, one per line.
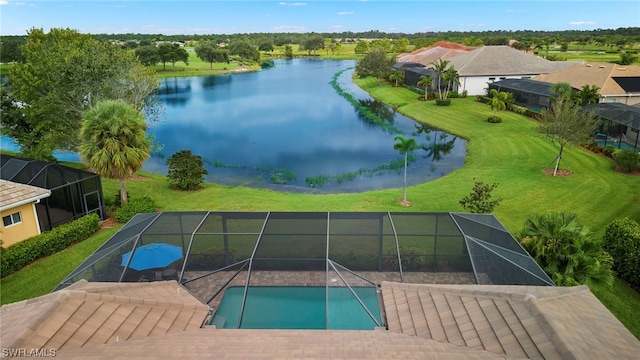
column 298, row 307
column 616, row 144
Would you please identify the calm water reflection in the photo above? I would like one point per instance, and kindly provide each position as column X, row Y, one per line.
column 286, row 127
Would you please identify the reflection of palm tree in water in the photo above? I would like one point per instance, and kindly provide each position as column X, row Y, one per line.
column 440, row 145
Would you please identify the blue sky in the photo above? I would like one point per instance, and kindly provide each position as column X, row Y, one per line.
column 229, row 17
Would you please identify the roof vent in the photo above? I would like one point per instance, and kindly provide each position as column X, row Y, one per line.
column 622, row 69
column 601, row 66
column 589, row 65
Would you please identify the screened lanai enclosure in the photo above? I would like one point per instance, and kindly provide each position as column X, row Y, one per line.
column 620, row 125
column 343, row 255
column 74, row 193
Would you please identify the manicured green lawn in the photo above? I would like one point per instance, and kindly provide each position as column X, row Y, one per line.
column 511, row 154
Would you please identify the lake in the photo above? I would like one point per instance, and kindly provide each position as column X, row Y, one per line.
column 286, row 128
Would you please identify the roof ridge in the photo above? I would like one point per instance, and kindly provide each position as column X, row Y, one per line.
column 549, row 329
column 45, row 312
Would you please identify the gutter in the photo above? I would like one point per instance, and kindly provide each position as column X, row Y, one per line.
column 34, row 199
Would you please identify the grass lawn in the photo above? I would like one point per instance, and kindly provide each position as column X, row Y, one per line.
column 511, row 154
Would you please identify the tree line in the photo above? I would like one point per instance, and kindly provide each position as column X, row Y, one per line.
column 621, row 37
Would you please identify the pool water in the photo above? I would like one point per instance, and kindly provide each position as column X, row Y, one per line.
column 616, row 144
column 298, row 307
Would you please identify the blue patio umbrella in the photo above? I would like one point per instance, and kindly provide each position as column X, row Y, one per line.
column 152, row 256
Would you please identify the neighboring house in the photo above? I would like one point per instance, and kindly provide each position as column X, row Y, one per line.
column 440, row 50
column 488, row 64
column 18, row 211
column 620, row 125
column 617, row 83
column 74, row 193
column 416, row 63
column 529, row 93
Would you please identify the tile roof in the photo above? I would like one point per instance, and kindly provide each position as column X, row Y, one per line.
column 504, row 60
column 599, row 74
column 86, row 314
column 282, row 344
column 425, row 322
column 13, row 194
column 439, row 50
column 515, row 321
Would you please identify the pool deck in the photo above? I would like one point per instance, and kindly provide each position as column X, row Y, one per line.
column 205, row 288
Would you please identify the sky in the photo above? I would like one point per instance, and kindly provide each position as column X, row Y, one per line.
column 173, row 17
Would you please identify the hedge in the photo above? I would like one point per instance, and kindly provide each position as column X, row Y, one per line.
column 622, row 241
column 21, row 254
column 133, row 207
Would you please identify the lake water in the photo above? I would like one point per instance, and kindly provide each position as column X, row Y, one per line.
column 286, row 128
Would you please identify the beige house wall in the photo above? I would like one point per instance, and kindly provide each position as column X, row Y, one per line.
column 25, row 229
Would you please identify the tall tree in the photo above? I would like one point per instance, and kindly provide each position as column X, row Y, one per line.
column 427, row 82
column 375, row 63
column 439, row 67
column 245, row 50
column 405, row 146
column 312, row 44
column 451, row 77
column 114, row 143
column 148, row 55
column 566, row 123
column 65, row 73
column 362, row 47
column 172, row 53
column 208, row 51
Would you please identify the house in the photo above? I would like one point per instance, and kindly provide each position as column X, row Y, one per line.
column 74, row 193
column 440, row 50
column 617, row 83
column 425, row 321
column 18, row 211
column 487, row 64
column 416, row 63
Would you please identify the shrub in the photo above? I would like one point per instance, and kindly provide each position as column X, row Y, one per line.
column 441, row 102
column 480, row 200
column 494, row 119
column 518, row 109
column 453, row 94
column 21, row 254
column 186, row 171
column 133, row 207
column 431, row 96
column 609, row 150
column 566, row 250
column 622, row 241
column 464, row 94
column 628, row 160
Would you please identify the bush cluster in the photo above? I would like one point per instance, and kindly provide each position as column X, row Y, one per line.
column 627, row 160
column 622, row 241
column 133, row 207
column 21, row 254
column 441, row 102
column 494, row 119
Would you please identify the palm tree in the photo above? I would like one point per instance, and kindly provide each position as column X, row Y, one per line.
column 498, row 101
column 566, row 250
column 427, row 82
column 113, row 141
column 439, row 67
column 405, row 146
column 452, row 77
column 397, row 77
column 589, row 94
column 561, row 91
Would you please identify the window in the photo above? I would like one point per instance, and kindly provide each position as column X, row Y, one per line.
column 11, row 219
